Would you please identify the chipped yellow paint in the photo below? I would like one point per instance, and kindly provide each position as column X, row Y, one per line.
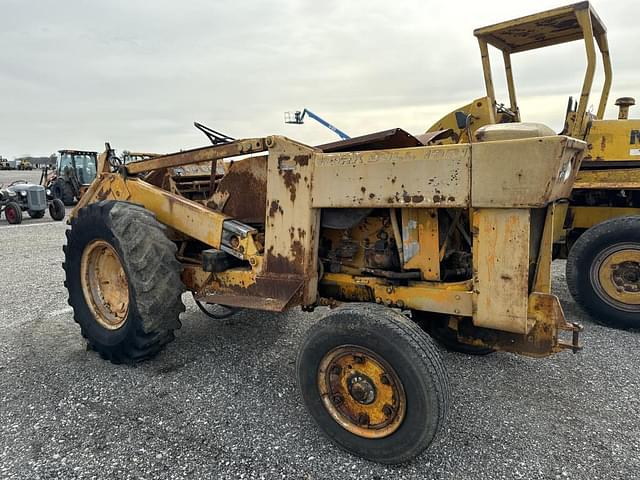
column 421, row 241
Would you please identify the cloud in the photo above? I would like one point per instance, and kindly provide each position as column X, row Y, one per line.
column 76, row 73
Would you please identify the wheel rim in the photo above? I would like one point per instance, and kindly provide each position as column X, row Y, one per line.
column 10, row 214
column 615, row 275
column 104, row 284
column 361, row 391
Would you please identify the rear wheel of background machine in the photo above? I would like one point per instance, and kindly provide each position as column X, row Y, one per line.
column 36, row 213
column 374, row 382
column 123, row 280
column 56, row 209
column 13, row 213
column 68, row 198
column 56, row 191
column 437, row 325
column 603, row 272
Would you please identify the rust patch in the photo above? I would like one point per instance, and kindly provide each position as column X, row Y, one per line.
column 417, row 198
column 362, row 189
column 275, row 207
column 246, row 184
column 302, row 160
column 438, row 198
column 285, row 265
column 291, row 181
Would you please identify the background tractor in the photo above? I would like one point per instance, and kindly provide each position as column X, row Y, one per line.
column 600, row 232
column 21, row 196
column 24, row 165
column 74, row 172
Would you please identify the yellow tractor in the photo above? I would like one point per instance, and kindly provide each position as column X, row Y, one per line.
column 402, row 238
column 598, row 225
column 24, row 165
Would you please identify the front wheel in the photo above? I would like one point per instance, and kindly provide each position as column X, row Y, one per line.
column 13, row 213
column 123, row 280
column 603, row 272
column 56, row 209
column 374, row 382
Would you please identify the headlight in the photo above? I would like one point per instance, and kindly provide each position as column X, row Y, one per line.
column 23, row 193
column 12, row 193
column 48, row 192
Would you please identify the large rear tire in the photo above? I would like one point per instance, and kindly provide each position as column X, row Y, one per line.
column 603, row 272
column 374, row 382
column 123, row 280
column 68, row 197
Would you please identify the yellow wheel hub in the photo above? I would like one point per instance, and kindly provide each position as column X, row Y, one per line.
column 104, row 284
column 361, row 391
column 618, row 275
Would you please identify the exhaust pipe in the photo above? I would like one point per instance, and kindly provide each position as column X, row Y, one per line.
column 624, row 103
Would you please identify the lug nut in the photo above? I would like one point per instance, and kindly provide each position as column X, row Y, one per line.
column 363, row 419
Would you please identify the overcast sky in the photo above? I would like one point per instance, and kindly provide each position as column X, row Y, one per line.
column 74, row 74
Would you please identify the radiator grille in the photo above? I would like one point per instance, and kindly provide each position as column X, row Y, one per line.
column 37, row 199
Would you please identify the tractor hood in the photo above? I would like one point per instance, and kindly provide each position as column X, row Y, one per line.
column 24, row 187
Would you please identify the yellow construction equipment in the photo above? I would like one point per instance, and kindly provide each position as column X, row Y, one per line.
column 600, row 233
column 400, row 236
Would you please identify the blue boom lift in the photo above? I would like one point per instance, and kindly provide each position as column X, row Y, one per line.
column 297, row 117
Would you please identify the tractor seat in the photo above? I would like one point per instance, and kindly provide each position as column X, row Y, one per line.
column 512, row 131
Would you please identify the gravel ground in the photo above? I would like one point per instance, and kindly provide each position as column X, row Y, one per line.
column 221, row 401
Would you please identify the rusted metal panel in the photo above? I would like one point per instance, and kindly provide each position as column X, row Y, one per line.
column 245, row 187
column 543, row 339
column 408, row 177
column 421, row 241
column 394, row 138
column 244, row 288
column 516, row 173
column 198, row 155
column 501, row 268
column 292, row 225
